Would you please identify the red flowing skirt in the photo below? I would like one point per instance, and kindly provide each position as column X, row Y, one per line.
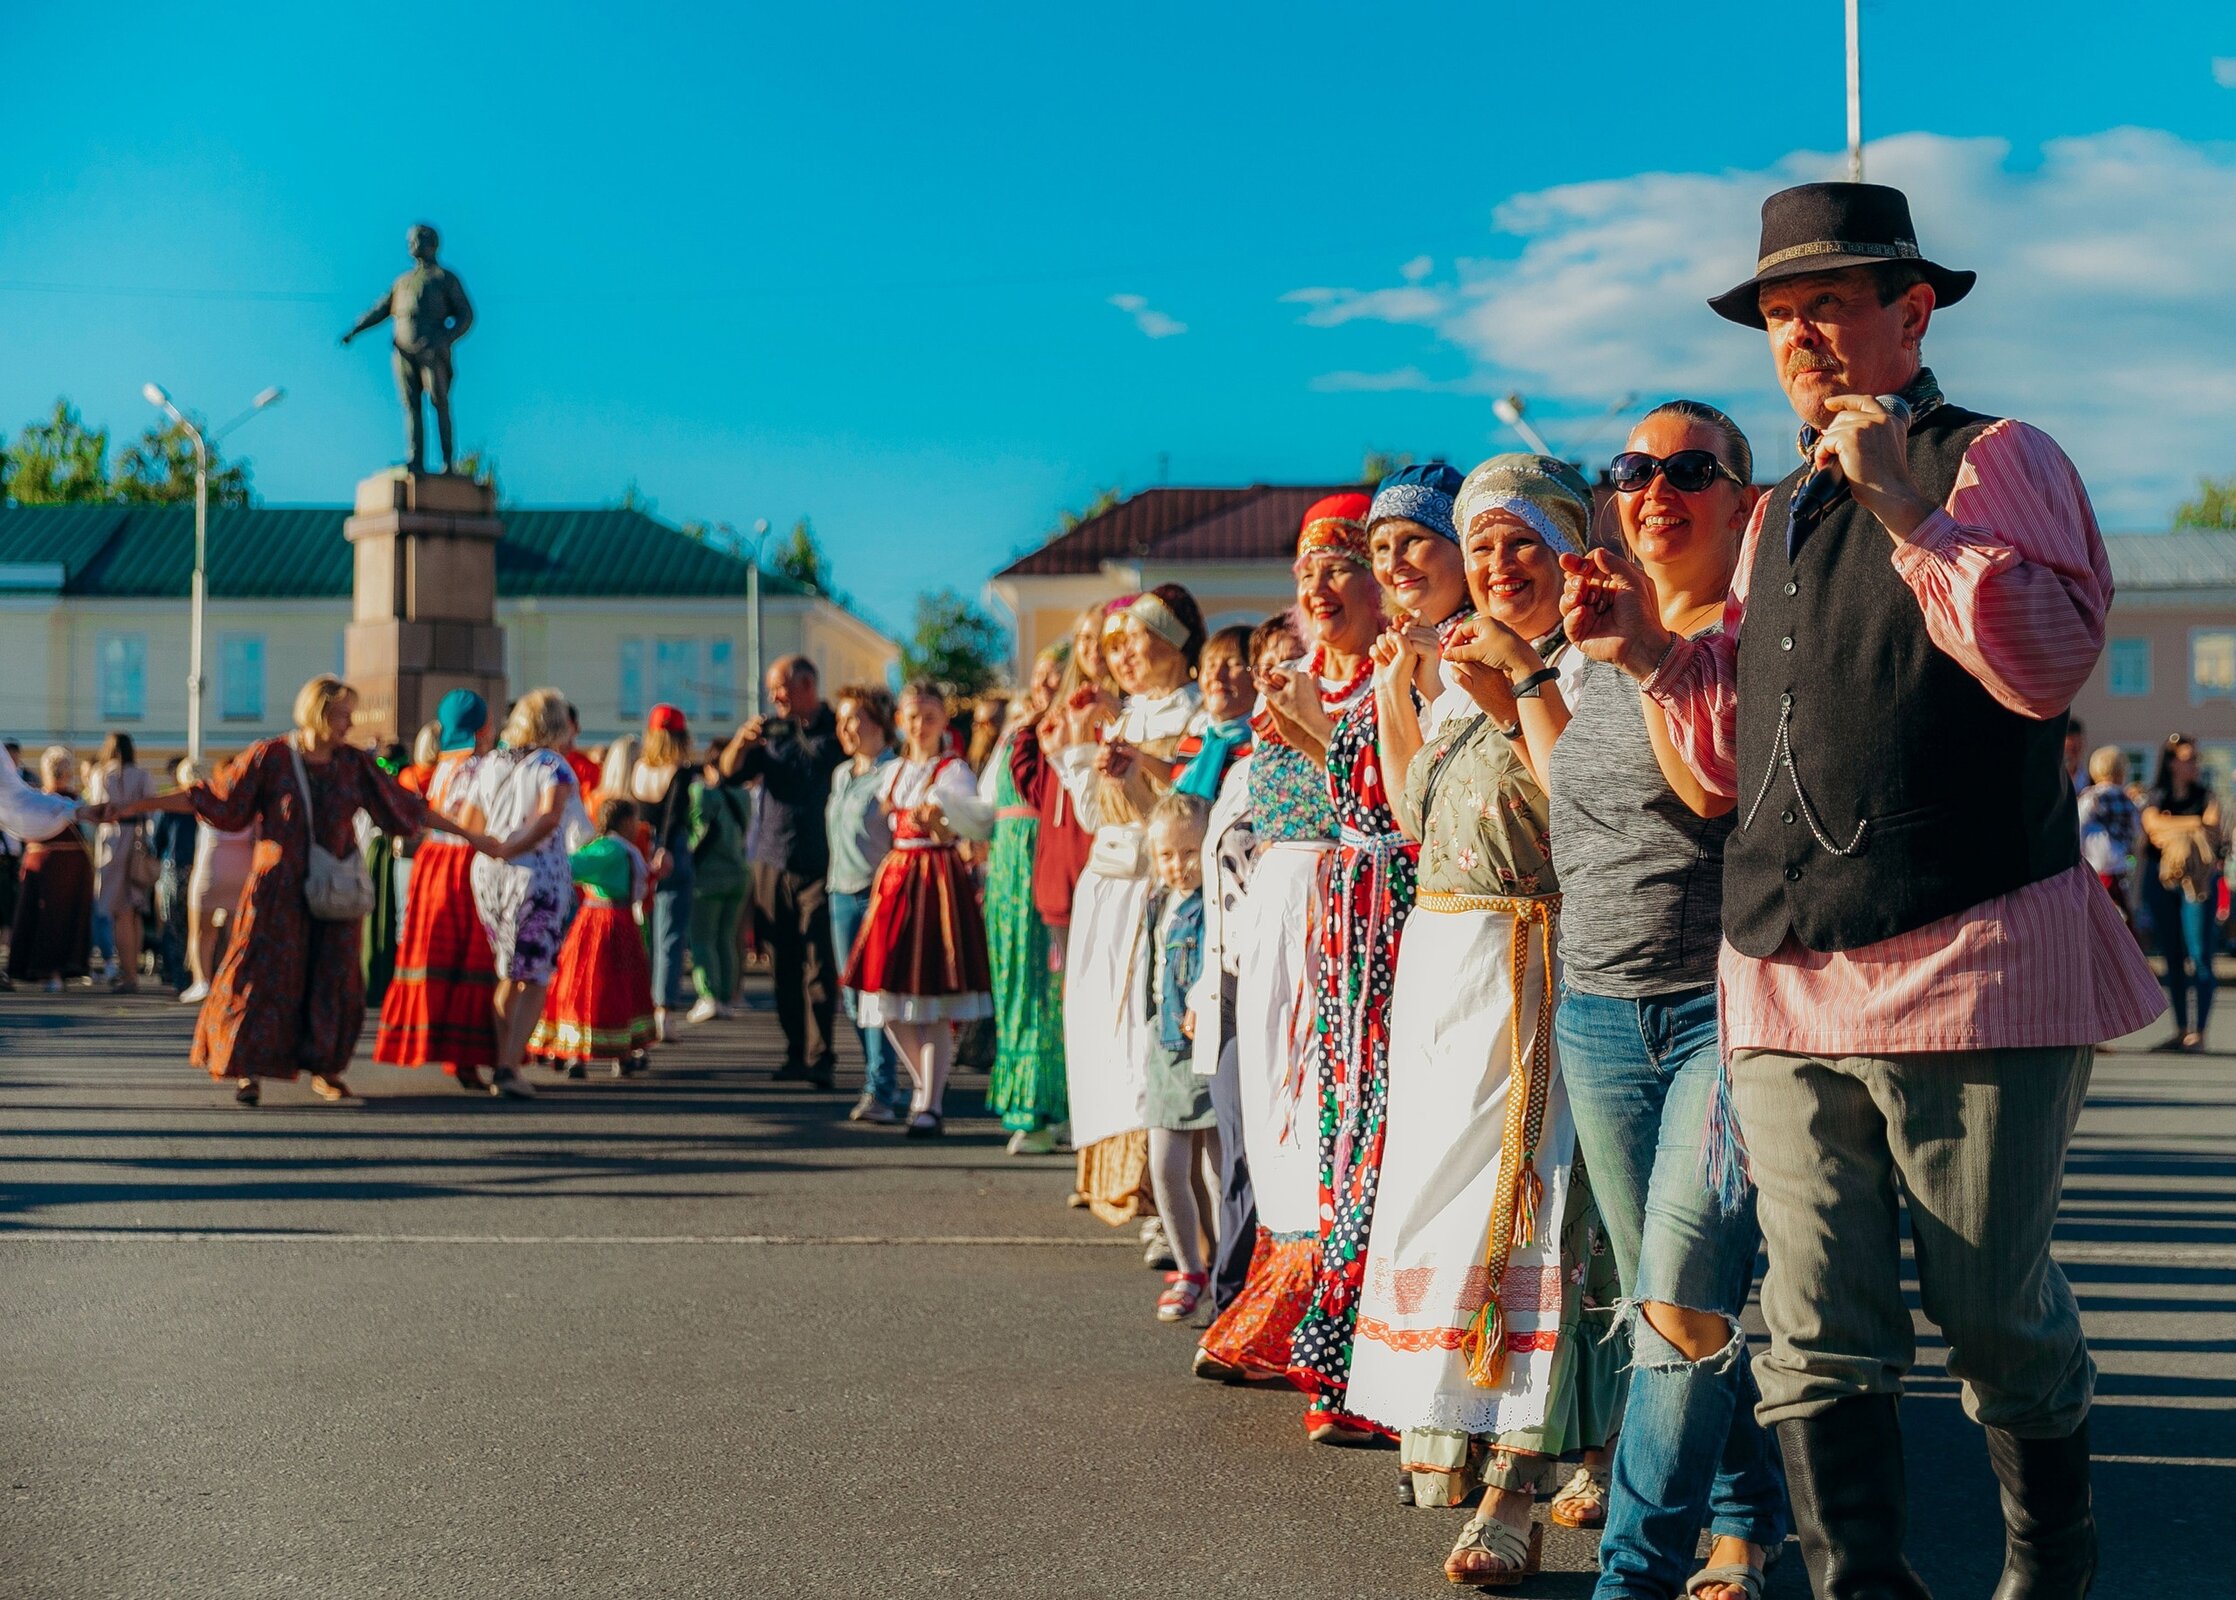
column 922, row 948
column 600, row 1005
column 1253, row 1332
column 440, row 1004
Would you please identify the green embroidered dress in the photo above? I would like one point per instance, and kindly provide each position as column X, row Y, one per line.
column 1028, row 1079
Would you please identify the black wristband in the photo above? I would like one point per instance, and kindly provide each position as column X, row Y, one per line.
column 1528, row 688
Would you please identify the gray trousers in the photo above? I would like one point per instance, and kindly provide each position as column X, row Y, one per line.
column 1974, row 1141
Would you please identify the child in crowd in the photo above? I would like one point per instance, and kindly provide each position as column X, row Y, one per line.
column 1183, row 1137
column 600, row 1007
column 2111, row 825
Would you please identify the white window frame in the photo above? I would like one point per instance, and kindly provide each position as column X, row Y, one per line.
column 130, row 701
column 226, row 686
column 2198, row 693
column 2140, row 655
column 629, row 698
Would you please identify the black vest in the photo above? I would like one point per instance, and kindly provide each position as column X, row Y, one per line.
column 1881, row 787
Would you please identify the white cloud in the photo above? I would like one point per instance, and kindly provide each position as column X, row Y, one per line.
column 1400, row 379
column 2224, row 71
column 2101, row 314
column 1147, row 318
column 1417, row 269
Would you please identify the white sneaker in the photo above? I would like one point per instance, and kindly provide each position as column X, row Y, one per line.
column 194, row 994
column 871, row 1109
column 705, row 1011
column 507, row 1084
column 1156, row 1246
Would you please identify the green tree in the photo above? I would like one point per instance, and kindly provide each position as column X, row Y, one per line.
column 801, row 558
column 1379, row 464
column 59, row 462
column 158, row 469
column 956, row 644
column 2214, row 507
column 1103, row 501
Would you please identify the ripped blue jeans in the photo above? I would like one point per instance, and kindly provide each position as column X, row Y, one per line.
column 1641, row 1078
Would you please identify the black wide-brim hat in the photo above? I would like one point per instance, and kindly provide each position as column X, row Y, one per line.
column 1824, row 227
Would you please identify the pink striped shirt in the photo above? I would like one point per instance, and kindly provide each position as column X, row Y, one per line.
column 2013, row 580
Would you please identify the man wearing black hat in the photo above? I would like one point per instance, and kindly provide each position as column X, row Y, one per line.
column 1915, row 973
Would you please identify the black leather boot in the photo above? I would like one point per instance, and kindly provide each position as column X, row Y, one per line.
column 1850, row 1499
column 2049, row 1528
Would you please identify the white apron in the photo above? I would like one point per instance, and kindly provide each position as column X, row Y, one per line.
column 1106, row 1034
column 1273, row 1030
column 1451, row 1043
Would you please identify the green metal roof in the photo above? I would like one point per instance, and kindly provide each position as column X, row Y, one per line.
column 298, row 553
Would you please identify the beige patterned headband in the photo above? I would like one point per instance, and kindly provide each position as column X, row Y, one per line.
column 1160, row 619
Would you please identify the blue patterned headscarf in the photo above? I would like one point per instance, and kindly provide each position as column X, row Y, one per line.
column 1422, row 494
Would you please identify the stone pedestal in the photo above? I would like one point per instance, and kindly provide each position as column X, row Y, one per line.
column 424, row 619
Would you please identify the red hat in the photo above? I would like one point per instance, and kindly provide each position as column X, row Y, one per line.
column 1336, row 526
column 668, row 719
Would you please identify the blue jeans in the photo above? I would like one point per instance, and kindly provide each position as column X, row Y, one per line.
column 671, row 932
column 1641, row 1078
column 879, row 1080
column 2183, row 929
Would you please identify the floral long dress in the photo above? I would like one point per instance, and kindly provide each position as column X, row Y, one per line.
column 1028, row 1081
column 289, row 996
column 1370, row 891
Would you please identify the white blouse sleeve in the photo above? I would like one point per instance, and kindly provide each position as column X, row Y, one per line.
column 1075, row 770
column 29, row 813
column 957, row 794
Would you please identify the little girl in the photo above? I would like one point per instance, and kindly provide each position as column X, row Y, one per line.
column 600, row 1006
column 1183, row 1134
column 919, row 965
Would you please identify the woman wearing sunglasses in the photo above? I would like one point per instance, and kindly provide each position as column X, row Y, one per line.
column 1638, row 845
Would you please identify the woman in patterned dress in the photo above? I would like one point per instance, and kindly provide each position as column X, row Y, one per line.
column 289, row 996
column 1027, row 1091
column 920, row 964
column 1276, row 932
column 441, row 1003
column 524, row 888
column 1116, row 768
column 1475, row 1339
column 1370, row 893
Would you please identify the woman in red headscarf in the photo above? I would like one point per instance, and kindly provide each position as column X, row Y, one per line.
column 1278, row 930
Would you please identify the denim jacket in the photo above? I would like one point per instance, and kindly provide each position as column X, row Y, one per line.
column 1182, row 966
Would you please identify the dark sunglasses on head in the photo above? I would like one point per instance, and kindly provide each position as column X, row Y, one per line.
column 1688, row 471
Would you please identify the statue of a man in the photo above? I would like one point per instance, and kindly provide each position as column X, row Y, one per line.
column 432, row 313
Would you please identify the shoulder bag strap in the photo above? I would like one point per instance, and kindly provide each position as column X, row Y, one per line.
column 303, row 783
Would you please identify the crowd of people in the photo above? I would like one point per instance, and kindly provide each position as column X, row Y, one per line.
column 1457, row 977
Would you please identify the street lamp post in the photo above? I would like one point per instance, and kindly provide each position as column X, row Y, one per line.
column 1508, row 408
column 1855, row 94
column 159, row 398
column 753, row 608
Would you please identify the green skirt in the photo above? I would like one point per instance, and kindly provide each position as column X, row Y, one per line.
column 1028, row 1076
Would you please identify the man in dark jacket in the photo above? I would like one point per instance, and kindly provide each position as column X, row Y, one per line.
column 793, row 753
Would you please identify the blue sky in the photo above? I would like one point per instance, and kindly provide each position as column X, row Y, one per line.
column 860, row 262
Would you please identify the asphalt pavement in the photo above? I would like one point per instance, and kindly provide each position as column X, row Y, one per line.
column 695, row 1334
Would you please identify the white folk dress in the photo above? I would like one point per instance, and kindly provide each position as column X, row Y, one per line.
column 1107, row 1036
column 1476, row 1153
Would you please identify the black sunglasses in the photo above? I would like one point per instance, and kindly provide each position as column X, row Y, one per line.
column 1688, row 471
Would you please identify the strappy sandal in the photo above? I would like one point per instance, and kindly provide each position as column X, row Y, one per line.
column 1180, row 1297
column 1520, row 1554
column 1586, row 1485
column 1736, row 1574
column 1732, row 1574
